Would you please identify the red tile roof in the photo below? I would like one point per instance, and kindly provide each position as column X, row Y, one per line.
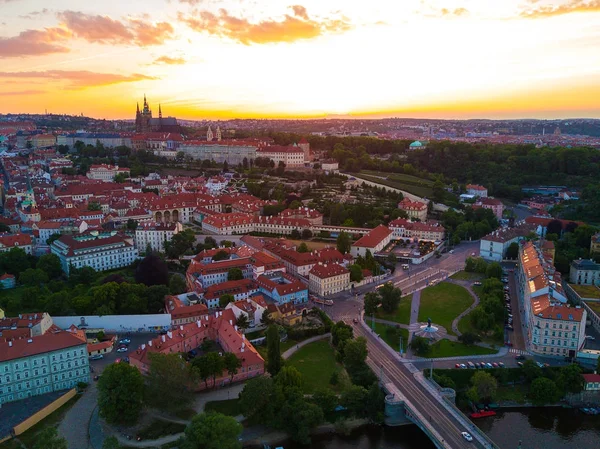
column 14, row 240
column 589, row 378
column 17, row 349
column 373, row 238
column 323, row 271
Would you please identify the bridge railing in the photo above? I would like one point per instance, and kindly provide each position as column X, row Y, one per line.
column 481, row 435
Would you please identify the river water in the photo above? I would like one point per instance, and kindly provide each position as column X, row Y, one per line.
column 540, row 428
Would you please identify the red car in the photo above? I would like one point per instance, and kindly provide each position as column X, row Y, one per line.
column 457, row 365
column 508, row 343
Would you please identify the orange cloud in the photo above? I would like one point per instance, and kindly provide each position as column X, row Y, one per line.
column 292, row 28
column 78, row 79
column 35, row 42
column 105, row 30
column 567, row 8
column 22, row 92
column 454, row 12
column 169, row 61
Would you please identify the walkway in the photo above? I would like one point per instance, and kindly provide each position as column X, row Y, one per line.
column 414, row 307
column 287, row 354
column 467, row 286
column 74, row 426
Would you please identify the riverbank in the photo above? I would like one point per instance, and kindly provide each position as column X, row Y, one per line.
column 277, row 437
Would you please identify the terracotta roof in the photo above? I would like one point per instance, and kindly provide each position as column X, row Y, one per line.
column 589, row 378
column 17, row 349
column 562, row 313
column 14, row 240
column 323, row 271
column 373, row 238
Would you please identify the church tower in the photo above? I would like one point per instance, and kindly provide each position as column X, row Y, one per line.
column 209, row 135
column 142, row 119
column 219, row 133
column 305, row 146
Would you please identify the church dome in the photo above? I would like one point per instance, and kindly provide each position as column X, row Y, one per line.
column 416, row 144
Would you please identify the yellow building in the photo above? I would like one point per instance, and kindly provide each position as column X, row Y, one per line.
column 43, row 140
column 328, row 279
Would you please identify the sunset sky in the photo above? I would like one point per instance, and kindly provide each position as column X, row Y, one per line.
column 315, row 58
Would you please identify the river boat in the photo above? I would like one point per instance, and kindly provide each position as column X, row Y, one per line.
column 483, row 414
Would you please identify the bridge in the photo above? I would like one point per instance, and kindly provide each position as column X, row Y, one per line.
column 412, row 399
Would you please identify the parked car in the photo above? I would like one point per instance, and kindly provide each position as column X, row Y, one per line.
column 495, row 365
column 501, row 365
column 467, row 436
column 124, row 341
column 520, row 363
column 477, row 284
column 122, row 349
column 463, row 366
column 97, row 357
column 520, row 357
column 355, row 320
column 118, row 361
column 509, row 327
column 457, row 365
column 488, row 365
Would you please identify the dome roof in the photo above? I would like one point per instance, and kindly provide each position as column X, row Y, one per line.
column 416, row 143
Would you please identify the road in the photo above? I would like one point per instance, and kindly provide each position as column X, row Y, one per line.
column 420, row 399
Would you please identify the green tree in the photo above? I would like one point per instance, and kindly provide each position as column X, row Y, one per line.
column 355, row 353
column 120, row 178
column 420, row 345
column 131, row 224
column 152, row 270
column 94, row 206
column 469, row 338
column 303, row 248
column 288, row 377
column 53, row 238
column 221, row 255
column 570, row 379
column 49, row 439
column 343, row 243
column 340, row 333
column 213, row 431
column 354, row 398
column 242, row 322
column 256, row 399
column 306, row 234
column 225, row 299
column 14, row 261
column 180, row 244
column 169, row 376
column 177, row 285
column 295, row 204
column 215, row 365
column 33, row 277
column 485, row 385
column 232, row 364
column 494, row 270
column 235, row 274
column 50, row 264
column 120, row 392
column 299, row 417
column 371, row 302
column 273, row 351
column 390, row 297
column 512, row 252
column 543, row 391
column 531, row 371
column 295, row 234
column 391, row 258
column 111, row 443
column 374, row 403
column 356, row 274
column 210, row 242
column 327, row 401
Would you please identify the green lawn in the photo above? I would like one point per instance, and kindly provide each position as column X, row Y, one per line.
column 444, row 302
column 407, row 186
column 159, row 428
column 400, row 315
column 516, row 393
column 391, row 335
column 229, row 407
column 466, row 276
column 316, row 362
column 586, row 291
column 595, row 306
column 447, row 348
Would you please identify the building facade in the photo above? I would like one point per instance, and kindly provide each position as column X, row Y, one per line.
column 105, row 172
column 584, row 272
column 328, row 279
column 100, row 251
column 415, row 209
column 376, row 240
column 37, row 365
column 155, row 235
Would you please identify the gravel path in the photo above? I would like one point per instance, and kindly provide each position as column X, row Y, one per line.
column 287, row 354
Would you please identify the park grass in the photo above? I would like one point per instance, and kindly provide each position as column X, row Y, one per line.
column 410, row 187
column 229, row 407
column 466, row 276
column 586, row 291
column 513, row 393
column 160, row 428
column 443, row 303
column 391, row 335
column 447, row 348
column 186, row 413
column 316, row 362
column 400, row 315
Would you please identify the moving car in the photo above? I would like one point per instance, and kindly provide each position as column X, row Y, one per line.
column 97, row 357
column 520, row 363
column 467, row 436
column 477, row 284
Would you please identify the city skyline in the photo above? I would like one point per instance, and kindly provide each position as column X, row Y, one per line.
column 238, row 59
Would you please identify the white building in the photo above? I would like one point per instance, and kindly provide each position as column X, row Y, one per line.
column 291, row 156
column 99, row 251
column 328, row 279
column 376, row 240
column 42, row 364
column 584, row 272
column 405, row 229
column 477, row 190
column 494, row 245
column 104, row 172
column 155, row 235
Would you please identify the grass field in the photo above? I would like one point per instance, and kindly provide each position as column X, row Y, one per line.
column 229, row 407
column 422, row 190
column 400, row 315
column 444, row 302
column 391, row 335
column 316, row 362
column 515, row 393
column 586, row 291
column 465, row 276
column 447, row 348
column 159, row 428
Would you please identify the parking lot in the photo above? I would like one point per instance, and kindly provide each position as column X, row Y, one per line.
column 136, row 340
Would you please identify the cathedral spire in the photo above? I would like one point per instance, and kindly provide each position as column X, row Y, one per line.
column 159, row 111
column 138, row 107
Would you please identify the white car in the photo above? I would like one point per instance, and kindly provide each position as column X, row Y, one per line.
column 122, row 350
column 467, row 436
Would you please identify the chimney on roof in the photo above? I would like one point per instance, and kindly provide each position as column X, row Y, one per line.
column 149, row 343
column 10, row 344
column 30, row 341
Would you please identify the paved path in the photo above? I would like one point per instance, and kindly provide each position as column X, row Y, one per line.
column 287, row 354
column 467, row 286
column 414, row 307
column 222, row 394
column 74, row 426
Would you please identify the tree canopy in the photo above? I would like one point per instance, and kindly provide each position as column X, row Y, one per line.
column 120, row 393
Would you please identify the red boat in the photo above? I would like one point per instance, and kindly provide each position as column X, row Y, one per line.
column 483, row 414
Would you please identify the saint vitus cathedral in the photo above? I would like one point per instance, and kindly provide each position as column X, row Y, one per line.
column 144, row 123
